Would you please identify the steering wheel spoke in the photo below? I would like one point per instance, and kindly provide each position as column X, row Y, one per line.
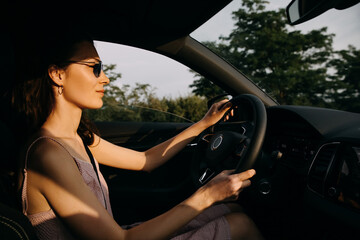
column 241, row 148
column 206, row 176
column 207, row 137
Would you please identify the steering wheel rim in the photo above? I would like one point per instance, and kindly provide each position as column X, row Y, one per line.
column 225, row 146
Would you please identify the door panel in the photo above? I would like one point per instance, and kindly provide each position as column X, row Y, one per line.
column 139, row 135
column 137, row 196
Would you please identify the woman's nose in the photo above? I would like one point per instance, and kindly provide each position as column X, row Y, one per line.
column 103, row 78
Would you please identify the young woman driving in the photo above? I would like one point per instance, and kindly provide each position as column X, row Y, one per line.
column 64, row 196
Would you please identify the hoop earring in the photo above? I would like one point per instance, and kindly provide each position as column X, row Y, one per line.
column 60, row 90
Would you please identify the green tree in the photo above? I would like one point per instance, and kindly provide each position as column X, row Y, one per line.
column 286, row 63
column 140, row 103
column 203, row 87
column 344, row 87
column 190, row 107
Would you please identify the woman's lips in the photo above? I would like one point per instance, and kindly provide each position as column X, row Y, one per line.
column 101, row 91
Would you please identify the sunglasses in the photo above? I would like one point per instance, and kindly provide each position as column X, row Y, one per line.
column 97, row 66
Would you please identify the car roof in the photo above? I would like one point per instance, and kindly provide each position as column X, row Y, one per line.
column 161, row 26
column 151, row 23
column 141, row 23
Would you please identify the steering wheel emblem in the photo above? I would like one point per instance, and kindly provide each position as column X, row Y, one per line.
column 217, row 142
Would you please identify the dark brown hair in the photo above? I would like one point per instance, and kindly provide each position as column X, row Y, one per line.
column 32, row 96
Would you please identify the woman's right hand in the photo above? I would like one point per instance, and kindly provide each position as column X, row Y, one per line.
column 226, row 186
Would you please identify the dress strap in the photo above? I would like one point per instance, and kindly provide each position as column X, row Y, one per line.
column 96, row 170
column 36, row 140
column 24, row 200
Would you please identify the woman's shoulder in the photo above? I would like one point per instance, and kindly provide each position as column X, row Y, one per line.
column 46, row 151
column 44, row 144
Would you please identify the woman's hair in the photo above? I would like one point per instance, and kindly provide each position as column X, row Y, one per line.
column 33, row 97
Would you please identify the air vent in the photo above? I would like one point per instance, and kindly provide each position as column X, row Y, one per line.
column 320, row 167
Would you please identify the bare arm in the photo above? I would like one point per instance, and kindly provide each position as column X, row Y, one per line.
column 224, row 186
column 115, row 156
column 54, row 175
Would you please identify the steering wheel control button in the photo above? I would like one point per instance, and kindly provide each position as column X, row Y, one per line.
column 333, row 192
column 217, row 142
column 276, row 155
column 240, row 149
column 264, row 187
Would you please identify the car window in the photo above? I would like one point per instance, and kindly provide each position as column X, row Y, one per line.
column 315, row 63
column 146, row 87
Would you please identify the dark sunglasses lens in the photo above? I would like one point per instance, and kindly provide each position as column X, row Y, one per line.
column 97, row 69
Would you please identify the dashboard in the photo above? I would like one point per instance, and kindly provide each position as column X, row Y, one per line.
column 307, row 181
column 291, row 140
column 310, row 167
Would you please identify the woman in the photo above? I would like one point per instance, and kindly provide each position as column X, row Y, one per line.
column 64, row 195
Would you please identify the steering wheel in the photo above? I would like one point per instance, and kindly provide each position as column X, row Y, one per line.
column 233, row 145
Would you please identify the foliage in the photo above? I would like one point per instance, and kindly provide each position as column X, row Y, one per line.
column 289, row 65
column 139, row 103
column 345, row 84
column 203, row 87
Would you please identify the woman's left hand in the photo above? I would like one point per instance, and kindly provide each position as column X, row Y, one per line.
column 216, row 112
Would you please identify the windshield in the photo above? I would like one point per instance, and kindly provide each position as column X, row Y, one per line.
column 316, row 63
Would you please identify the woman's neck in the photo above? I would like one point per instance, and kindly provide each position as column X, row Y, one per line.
column 63, row 124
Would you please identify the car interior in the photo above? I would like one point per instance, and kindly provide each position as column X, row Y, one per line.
column 307, row 159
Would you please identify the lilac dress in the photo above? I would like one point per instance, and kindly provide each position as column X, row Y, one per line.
column 47, row 224
column 210, row 224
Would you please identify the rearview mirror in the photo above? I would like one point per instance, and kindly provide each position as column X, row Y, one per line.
column 299, row 11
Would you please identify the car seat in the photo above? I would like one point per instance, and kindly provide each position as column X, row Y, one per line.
column 13, row 224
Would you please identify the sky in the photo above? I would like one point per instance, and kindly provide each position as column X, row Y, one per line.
column 173, row 79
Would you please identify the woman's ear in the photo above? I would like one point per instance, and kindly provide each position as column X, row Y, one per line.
column 56, row 74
